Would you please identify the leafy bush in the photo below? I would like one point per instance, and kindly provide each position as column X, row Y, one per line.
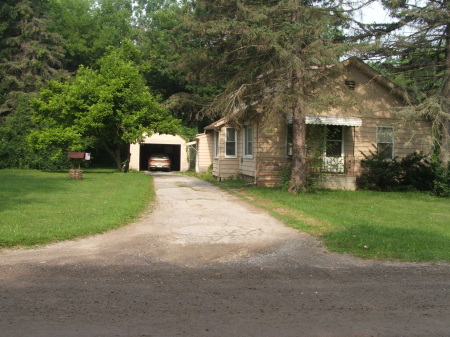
column 413, row 172
column 15, row 151
column 441, row 183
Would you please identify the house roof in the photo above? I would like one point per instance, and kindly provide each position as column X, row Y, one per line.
column 216, row 124
column 347, row 121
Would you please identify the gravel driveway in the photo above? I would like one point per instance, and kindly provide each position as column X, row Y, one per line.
column 204, row 263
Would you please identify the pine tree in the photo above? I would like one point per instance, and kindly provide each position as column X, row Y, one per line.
column 30, row 54
column 264, row 51
column 415, row 51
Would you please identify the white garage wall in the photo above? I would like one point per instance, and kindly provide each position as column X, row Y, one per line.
column 162, row 139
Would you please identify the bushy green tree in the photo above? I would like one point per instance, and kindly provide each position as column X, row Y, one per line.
column 90, row 27
column 15, row 151
column 109, row 108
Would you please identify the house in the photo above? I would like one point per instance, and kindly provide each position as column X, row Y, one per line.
column 172, row 145
column 259, row 150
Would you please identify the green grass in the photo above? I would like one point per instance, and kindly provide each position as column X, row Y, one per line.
column 41, row 207
column 387, row 226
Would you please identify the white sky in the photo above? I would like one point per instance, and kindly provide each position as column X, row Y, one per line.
column 374, row 13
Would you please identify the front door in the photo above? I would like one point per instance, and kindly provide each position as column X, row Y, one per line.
column 334, row 149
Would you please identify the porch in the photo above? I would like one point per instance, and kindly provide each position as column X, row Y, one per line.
column 336, row 173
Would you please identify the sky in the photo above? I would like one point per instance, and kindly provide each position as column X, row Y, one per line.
column 374, row 13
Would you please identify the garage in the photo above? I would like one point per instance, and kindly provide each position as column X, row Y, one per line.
column 172, row 145
column 173, row 151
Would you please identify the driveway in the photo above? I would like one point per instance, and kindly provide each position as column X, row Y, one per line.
column 203, row 262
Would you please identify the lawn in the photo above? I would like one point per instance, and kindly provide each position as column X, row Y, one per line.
column 395, row 226
column 40, row 207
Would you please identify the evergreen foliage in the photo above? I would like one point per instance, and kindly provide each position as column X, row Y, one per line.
column 415, row 51
column 30, row 54
column 262, row 53
column 416, row 171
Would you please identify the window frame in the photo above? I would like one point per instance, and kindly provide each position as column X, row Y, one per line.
column 247, row 148
column 230, row 141
column 379, row 127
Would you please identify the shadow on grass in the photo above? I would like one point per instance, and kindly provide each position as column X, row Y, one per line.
column 396, row 243
column 85, row 170
column 17, row 187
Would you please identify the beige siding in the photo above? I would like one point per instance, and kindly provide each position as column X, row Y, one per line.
column 225, row 167
column 348, row 140
column 408, row 138
column 374, row 104
column 205, row 151
column 216, row 170
column 247, row 165
column 271, row 147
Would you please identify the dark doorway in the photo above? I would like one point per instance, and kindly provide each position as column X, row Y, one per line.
column 173, row 151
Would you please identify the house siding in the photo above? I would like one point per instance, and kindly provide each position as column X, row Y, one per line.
column 406, row 141
column 271, row 146
column 225, row 167
column 247, row 165
column 205, row 151
column 372, row 101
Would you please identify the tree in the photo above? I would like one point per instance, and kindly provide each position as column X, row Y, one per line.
column 157, row 38
column 89, row 27
column 415, row 51
column 110, row 107
column 264, row 52
column 30, row 54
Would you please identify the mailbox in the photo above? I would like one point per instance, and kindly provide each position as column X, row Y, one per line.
column 75, row 158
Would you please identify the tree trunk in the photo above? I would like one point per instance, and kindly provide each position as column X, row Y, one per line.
column 115, row 155
column 298, row 173
column 445, row 136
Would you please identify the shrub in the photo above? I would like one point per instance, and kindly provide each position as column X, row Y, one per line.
column 413, row 172
column 441, row 183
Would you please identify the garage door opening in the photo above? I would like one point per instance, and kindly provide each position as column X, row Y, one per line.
column 173, row 151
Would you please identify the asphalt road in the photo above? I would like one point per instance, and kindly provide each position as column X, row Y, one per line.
column 203, row 262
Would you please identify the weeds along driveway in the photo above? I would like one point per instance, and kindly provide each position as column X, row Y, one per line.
column 203, row 262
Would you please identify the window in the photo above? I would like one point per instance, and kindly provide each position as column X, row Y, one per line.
column 333, row 144
column 216, row 144
column 385, row 141
column 230, row 142
column 248, row 141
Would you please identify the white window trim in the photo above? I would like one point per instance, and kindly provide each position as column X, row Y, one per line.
column 216, row 144
column 393, row 139
column 245, row 141
column 235, row 143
